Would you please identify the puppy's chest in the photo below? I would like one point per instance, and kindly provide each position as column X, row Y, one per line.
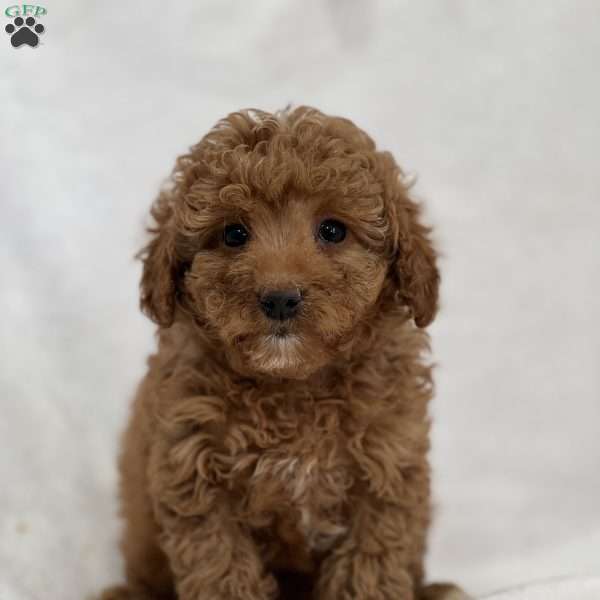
column 289, row 471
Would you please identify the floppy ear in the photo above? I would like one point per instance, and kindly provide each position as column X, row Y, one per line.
column 415, row 266
column 159, row 275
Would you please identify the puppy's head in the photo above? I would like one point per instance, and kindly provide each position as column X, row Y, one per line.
column 283, row 235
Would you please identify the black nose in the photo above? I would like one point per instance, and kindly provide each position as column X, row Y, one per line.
column 281, row 305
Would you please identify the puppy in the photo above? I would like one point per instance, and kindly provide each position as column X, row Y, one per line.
column 278, row 444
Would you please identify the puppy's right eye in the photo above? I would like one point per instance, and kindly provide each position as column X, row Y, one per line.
column 235, row 235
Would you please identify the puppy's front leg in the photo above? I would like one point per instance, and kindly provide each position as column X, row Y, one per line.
column 211, row 555
column 213, row 559
column 374, row 561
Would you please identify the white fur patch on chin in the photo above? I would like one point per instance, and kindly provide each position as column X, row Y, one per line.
column 278, row 352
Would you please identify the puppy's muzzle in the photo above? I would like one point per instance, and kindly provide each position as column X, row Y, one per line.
column 280, row 305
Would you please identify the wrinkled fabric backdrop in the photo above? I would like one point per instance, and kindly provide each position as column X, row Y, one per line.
column 493, row 105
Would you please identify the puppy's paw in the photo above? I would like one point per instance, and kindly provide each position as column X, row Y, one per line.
column 443, row 591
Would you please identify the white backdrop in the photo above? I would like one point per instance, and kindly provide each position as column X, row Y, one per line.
column 495, row 105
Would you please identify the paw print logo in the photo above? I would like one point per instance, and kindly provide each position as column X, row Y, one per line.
column 24, row 32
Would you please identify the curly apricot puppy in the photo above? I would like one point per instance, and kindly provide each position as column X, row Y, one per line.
column 278, row 444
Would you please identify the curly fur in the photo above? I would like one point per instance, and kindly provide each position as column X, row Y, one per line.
column 290, row 461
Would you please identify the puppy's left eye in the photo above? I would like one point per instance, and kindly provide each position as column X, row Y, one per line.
column 332, row 231
column 235, row 235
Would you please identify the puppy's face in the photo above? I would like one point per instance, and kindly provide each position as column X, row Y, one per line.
column 280, row 236
column 284, row 284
